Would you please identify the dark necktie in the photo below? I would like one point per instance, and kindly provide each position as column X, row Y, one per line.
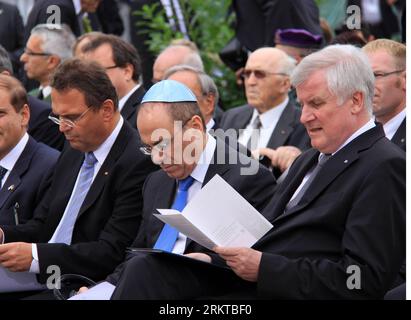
column 252, row 143
column 40, row 96
column 3, row 172
column 168, row 235
column 321, row 161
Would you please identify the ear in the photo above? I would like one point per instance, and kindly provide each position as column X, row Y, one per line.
column 357, row 100
column 25, row 115
column 403, row 77
column 108, row 110
column 197, row 124
column 128, row 72
column 286, row 85
column 54, row 61
column 210, row 101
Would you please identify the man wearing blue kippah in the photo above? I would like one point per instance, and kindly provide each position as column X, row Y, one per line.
column 172, row 128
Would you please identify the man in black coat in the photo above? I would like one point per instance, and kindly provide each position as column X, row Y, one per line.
column 159, row 111
column 339, row 216
column 92, row 209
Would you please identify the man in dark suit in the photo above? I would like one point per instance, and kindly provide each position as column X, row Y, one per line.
column 92, row 209
column 24, row 163
column 258, row 20
column 269, row 123
column 203, row 87
column 388, row 61
column 123, row 67
column 81, row 16
column 166, row 104
column 11, row 31
column 339, row 216
column 40, row 127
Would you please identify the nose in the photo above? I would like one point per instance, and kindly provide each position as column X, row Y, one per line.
column 63, row 127
column 23, row 57
column 306, row 115
column 157, row 156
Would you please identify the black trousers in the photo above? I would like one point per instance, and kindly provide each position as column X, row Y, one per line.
column 164, row 276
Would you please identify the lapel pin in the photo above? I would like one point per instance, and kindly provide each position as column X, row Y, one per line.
column 106, row 173
column 402, row 140
column 11, row 188
column 345, row 161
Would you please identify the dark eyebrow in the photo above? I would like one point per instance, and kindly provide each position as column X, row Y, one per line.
column 157, row 142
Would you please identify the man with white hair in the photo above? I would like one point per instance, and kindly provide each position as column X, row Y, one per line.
column 47, row 46
column 339, row 216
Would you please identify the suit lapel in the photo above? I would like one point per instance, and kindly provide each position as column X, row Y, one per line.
column 399, row 136
column 14, row 179
column 337, row 164
column 132, row 103
column 284, row 127
column 106, row 169
column 243, row 119
column 163, row 199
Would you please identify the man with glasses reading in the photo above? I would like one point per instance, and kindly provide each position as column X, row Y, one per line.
column 270, row 119
column 92, row 209
column 171, row 126
column 388, row 61
column 47, row 46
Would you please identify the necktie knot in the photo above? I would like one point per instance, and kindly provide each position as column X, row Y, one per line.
column 323, row 158
column 90, row 159
column 3, row 172
column 185, row 184
column 257, row 123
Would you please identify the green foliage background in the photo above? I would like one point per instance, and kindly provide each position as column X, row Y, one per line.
column 210, row 28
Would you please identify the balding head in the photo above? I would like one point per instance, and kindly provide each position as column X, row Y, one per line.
column 266, row 78
column 175, row 55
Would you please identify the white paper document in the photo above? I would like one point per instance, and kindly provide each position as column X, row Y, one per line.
column 18, row 281
column 218, row 216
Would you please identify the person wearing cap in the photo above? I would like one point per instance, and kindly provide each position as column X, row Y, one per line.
column 171, row 107
column 92, row 209
column 297, row 43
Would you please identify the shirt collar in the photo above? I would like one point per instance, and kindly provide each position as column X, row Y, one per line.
column 210, row 124
column 103, row 150
column 124, row 99
column 45, row 90
column 369, row 125
column 204, row 161
column 77, row 6
column 391, row 126
column 10, row 159
column 270, row 117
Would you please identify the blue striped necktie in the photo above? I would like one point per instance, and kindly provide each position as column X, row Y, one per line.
column 66, row 226
column 3, row 172
column 168, row 235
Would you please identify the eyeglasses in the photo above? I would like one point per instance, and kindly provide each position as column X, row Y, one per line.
column 69, row 121
column 260, row 74
column 32, row 53
column 160, row 146
column 380, row 75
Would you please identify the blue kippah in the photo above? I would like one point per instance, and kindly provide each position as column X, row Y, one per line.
column 169, row 91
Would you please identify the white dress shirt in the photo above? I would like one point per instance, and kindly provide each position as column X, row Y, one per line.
column 104, row 290
column 391, row 126
column 46, row 91
column 124, row 99
column 269, row 120
column 101, row 154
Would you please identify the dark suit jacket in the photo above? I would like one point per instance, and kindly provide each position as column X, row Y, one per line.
column 41, row 128
column 129, row 111
column 23, row 185
column 11, row 27
column 108, row 220
column 288, row 132
column 159, row 192
column 352, row 214
column 399, row 136
column 258, row 20
column 106, row 18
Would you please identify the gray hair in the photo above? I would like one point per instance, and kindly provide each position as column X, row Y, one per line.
column 347, row 71
column 207, row 83
column 5, row 62
column 287, row 65
column 57, row 39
